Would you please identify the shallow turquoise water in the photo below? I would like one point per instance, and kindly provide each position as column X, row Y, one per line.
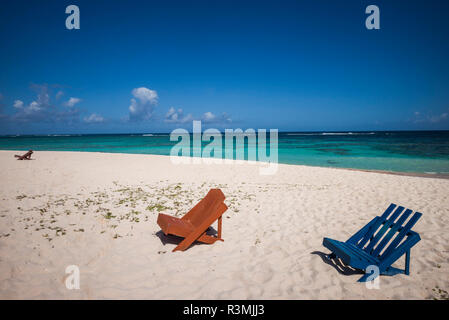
column 414, row 151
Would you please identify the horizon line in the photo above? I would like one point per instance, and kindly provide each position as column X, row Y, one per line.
column 168, row 133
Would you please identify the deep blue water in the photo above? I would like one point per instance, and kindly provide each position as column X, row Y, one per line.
column 411, row 151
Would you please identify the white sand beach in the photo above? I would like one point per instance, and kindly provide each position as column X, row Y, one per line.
column 98, row 211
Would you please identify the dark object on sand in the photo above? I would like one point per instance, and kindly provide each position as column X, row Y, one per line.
column 26, row 156
column 194, row 224
column 368, row 247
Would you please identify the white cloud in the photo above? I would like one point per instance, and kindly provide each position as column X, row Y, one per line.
column 171, row 114
column 145, row 95
column 210, row 117
column 34, row 106
column 438, row 118
column 72, row 101
column 93, row 118
column 422, row 118
column 177, row 116
column 59, row 94
column 42, row 102
column 18, row 104
column 41, row 110
column 142, row 105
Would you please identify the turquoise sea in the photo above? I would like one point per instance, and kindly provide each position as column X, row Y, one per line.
column 400, row 151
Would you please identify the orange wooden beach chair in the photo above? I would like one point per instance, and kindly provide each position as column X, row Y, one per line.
column 194, row 224
column 26, row 156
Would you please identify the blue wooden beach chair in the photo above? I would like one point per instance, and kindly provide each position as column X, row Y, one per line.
column 369, row 245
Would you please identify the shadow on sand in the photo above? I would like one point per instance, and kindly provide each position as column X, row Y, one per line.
column 337, row 264
column 172, row 239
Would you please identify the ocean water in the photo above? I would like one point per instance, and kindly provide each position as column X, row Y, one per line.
column 400, row 151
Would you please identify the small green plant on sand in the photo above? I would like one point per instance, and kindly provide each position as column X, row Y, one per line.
column 108, row 215
column 157, row 207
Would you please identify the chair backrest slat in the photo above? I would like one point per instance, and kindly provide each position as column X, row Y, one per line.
column 375, row 226
column 404, row 231
column 384, row 229
column 206, row 207
column 394, row 229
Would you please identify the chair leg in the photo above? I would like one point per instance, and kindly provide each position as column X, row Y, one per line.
column 407, row 262
column 208, row 239
column 219, row 228
column 184, row 244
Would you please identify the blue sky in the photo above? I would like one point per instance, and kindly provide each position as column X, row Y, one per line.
column 152, row 66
